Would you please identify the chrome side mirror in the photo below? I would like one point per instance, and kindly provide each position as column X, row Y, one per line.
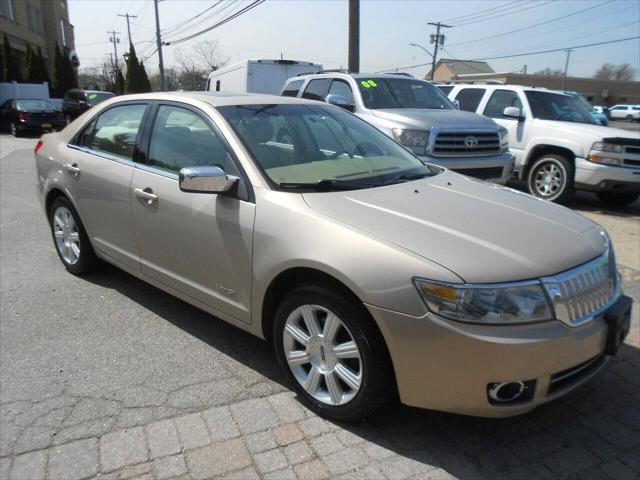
column 340, row 101
column 512, row 112
column 205, row 180
column 457, row 104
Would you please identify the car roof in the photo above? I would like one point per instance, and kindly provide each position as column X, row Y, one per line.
column 352, row 75
column 219, row 99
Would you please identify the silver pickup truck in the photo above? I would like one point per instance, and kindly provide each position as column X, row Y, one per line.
column 417, row 115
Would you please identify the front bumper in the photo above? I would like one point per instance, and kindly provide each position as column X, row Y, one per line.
column 447, row 366
column 595, row 177
column 494, row 168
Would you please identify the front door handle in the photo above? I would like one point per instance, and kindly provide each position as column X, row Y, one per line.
column 72, row 168
column 146, row 194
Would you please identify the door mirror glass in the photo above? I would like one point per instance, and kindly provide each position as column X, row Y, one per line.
column 456, row 102
column 341, row 102
column 512, row 112
column 205, row 180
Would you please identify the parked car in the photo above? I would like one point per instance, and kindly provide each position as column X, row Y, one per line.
column 597, row 114
column 418, row 116
column 29, row 115
column 630, row 113
column 77, row 101
column 557, row 145
column 371, row 273
column 257, row 76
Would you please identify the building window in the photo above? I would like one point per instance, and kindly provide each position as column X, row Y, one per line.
column 10, row 13
column 63, row 37
column 30, row 17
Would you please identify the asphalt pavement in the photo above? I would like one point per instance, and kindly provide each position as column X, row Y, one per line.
column 105, row 376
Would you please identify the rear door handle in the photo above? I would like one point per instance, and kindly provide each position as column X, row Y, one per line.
column 146, row 194
column 72, row 168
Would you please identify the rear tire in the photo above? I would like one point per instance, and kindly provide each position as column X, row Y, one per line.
column 551, row 178
column 347, row 370
column 629, row 118
column 70, row 238
column 13, row 129
column 615, row 199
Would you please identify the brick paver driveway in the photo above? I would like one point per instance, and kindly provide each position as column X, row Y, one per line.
column 105, row 376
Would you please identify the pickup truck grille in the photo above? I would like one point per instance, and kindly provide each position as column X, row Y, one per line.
column 466, row 144
column 631, row 156
column 581, row 293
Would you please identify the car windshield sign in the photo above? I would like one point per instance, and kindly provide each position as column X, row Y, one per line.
column 378, row 93
column 562, row 108
column 321, row 148
column 96, row 97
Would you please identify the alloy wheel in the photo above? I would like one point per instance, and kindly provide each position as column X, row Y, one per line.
column 322, row 354
column 549, row 180
column 66, row 235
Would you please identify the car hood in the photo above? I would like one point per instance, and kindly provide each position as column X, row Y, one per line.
column 598, row 132
column 443, row 119
column 482, row 232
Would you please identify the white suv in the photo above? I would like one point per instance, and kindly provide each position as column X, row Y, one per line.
column 557, row 145
column 625, row 112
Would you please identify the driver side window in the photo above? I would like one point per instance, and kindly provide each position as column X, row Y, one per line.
column 501, row 99
column 339, row 87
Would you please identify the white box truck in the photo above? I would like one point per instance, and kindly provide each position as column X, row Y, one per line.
column 258, row 76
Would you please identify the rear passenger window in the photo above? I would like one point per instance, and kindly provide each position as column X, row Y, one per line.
column 115, row 131
column 292, row 89
column 316, row 88
column 181, row 138
column 501, row 99
column 469, row 98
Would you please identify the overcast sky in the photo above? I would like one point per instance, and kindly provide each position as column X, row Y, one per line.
column 317, row 30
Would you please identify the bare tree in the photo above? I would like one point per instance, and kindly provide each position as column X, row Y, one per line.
column 209, row 54
column 609, row 71
column 550, row 72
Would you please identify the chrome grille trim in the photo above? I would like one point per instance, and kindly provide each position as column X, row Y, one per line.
column 451, row 144
column 584, row 292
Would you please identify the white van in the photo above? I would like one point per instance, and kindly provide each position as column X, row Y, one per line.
column 258, row 76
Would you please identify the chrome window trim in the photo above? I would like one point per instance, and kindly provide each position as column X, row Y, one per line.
column 105, row 155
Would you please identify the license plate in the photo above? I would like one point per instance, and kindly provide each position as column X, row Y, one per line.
column 46, row 125
column 618, row 320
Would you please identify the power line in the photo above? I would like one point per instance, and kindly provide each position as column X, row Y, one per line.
column 532, row 26
column 575, row 47
column 220, row 23
column 493, row 17
column 236, row 6
column 178, row 25
column 480, row 12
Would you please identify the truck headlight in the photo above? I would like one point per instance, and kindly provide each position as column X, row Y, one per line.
column 601, row 153
column 504, row 304
column 414, row 139
column 504, row 138
column 606, row 147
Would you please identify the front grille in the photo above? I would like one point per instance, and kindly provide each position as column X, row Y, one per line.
column 583, row 292
column 452, row 144
column 482, row 173
column 634, row 150
column 568, row 377
column 631, row 156
column 631, row 163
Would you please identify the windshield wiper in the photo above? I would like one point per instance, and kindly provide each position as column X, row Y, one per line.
column 406, row 176
column 327, row 185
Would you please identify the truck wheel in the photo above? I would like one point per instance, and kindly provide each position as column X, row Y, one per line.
column 616, row 199
column 333, row 354
column 551, row 178
column 629, row 118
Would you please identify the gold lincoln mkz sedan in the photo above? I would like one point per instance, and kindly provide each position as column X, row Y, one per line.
column 373, row 274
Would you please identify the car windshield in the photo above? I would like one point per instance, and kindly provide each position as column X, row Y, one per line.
column 554, row 106
column 94, row 98
column 309, row 146
column 401, row 92
column 34, row 105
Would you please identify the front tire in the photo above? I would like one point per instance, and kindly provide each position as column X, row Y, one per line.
column 332, row 352
column 615, row 199
column 70, row 238
column 551, row 178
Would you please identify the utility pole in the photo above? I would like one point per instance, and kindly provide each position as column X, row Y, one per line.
column 354, row 35
column 115, row 40
column 437, row 40
column 566, row 69
column 159, row 42
column 127, row 16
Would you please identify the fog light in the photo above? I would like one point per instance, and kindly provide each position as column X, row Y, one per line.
column 510, row 392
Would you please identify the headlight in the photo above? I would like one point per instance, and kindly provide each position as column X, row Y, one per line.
column 411, row 138
column 487, row 304
column 606, row 147
column 504, row 138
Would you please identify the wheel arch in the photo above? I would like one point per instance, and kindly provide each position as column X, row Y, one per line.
column 544, row 149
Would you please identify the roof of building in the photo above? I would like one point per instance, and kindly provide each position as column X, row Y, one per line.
column 464, row 67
